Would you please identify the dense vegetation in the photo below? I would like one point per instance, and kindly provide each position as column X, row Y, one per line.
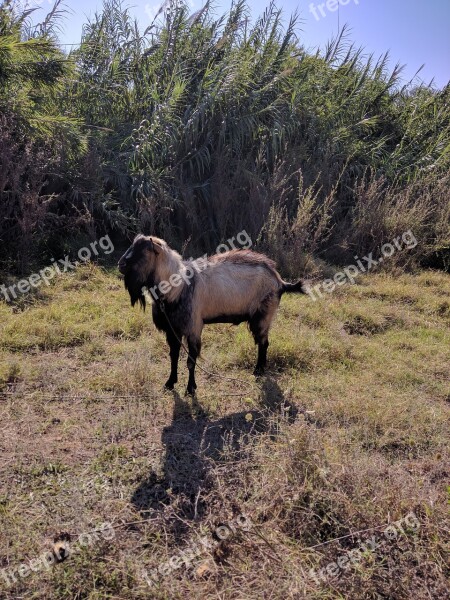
column 201, row 126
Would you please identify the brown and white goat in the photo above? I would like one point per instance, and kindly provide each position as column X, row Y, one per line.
column 233, row 287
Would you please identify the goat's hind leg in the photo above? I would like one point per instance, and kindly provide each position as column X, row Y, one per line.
column 259, row 326
column 174, row 342
column 260, row 335
column 262, row 357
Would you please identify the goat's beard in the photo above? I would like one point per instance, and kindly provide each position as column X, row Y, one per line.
column 134, row 285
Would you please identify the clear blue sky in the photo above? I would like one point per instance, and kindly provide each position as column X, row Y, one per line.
column 414, row 31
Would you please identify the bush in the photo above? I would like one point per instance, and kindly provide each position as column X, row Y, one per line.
column 201, row 126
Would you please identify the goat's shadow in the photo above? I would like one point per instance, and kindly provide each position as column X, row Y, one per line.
column 194, row 444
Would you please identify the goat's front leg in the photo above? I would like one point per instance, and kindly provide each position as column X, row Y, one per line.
column 174, row 342
column 194, row 346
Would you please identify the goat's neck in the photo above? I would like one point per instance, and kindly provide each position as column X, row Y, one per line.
column 170, row 267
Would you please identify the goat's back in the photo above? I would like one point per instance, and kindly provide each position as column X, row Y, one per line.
column 236, row 283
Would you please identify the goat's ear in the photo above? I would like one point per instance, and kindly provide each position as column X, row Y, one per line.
column 157, row 248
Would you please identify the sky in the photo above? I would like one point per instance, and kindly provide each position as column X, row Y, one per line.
column 415, row 32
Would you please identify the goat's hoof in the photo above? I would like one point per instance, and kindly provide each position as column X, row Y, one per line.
column 191, row 390
column 258, row 371
column 170, row 384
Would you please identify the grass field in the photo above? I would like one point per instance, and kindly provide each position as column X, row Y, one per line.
column 347, row 433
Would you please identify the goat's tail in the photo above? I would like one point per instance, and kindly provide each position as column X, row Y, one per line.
column 298, row 287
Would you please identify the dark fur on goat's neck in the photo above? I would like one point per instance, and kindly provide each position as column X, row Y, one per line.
column 177, row 313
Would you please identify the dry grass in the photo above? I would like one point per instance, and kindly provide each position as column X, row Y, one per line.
column 347, row 432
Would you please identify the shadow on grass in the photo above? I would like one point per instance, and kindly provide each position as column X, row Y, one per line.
column 194, row 445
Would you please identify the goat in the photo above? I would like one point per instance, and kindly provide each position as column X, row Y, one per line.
column 232, row 287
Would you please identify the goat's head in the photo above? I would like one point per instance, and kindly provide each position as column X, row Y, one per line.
column 138, row 265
